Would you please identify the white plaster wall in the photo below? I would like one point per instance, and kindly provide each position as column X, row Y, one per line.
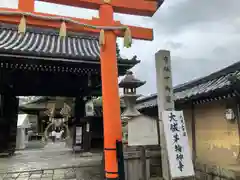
column 142, row 130
column 9, row 4
column 20, row 140
column 33, row 119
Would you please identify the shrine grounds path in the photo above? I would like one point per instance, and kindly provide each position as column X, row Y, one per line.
column 54, row 161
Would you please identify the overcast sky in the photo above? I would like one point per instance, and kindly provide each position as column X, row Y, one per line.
column 203, row 36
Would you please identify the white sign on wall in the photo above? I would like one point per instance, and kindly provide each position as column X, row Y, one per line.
column 179, row 155
column 78, row 135
column 88, row 127
column 89, row 108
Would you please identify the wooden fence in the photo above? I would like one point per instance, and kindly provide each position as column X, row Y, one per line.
column 142, row 163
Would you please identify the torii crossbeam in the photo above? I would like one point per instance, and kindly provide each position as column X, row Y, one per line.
column 111, row 100
column 134, row 7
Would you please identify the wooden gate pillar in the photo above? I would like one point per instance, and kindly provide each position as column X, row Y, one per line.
column 8, row 121
column 78, row 131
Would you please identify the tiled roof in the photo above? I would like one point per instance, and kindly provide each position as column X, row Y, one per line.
column 208, row 85
column 41, row 102
column 47, row 43
column 40, row 106
column 148, row 101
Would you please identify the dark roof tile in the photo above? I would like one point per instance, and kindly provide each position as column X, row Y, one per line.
column 47, row 43
column 209, row 84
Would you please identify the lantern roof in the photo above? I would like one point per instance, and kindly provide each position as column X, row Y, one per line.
column 129, row 81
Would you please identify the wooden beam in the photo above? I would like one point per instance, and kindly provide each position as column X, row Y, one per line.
column 137, row 32
column 194, row 145
column 134, row 7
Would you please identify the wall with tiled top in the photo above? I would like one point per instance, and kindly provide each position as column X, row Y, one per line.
column 217, row 140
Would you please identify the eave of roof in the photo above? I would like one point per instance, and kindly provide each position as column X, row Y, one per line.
column 46, row 43
column 228, row 71
column 32, row 106
column 202, row 87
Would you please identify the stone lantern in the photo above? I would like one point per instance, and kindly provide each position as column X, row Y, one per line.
column 129, row 85
column 133, row 121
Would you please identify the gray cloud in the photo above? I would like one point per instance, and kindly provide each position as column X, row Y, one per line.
column 202, row 36
column 182, row 14
column 174, row 45
column 221, row 51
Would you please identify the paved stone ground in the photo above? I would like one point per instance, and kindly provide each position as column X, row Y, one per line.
column 55, row 161
column 70, row 173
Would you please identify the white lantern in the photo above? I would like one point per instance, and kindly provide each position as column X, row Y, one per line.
column 229, row 115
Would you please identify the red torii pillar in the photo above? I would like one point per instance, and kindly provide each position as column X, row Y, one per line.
column 111, row 101
column 109, row 71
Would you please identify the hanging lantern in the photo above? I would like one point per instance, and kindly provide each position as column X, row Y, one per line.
column 230, row 115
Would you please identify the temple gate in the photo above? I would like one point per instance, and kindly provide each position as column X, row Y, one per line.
column 39, row 63
column 109, row 30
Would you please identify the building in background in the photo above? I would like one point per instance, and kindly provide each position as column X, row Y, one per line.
column 211, row 109
column 39, row 106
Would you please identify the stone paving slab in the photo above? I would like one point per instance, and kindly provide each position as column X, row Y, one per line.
column 54, row 162
column 80, row 173
column 76, row 173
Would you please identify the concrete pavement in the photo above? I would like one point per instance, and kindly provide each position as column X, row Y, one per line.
column 54, row 161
